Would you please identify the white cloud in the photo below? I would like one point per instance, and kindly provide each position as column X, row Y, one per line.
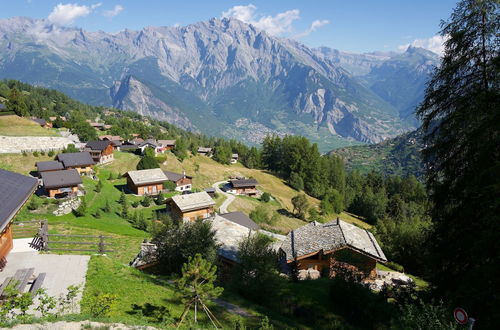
column 274, row 25
column 314, row 26
column 67, row 13
column 113, row 12
column 434, row 44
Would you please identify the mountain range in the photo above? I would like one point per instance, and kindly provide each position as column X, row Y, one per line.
column 224, row 77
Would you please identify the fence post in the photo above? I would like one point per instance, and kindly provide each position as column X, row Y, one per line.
column 101, row 244
column 44, row 234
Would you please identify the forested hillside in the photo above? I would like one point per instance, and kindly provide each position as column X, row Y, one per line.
column 396, row 156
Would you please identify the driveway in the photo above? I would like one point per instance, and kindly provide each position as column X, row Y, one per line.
column 62, row 270
column 229, row 197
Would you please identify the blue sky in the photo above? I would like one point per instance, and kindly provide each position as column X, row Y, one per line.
column 349, row 25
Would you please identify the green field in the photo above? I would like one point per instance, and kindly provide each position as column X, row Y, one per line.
column 141, row 295
column 18, row 126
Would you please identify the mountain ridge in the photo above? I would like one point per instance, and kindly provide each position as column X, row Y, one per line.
column 227, row 72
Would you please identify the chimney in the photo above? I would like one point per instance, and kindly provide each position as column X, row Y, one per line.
column 184, row 174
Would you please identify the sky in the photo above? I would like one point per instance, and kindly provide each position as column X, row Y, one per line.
column 350, row 25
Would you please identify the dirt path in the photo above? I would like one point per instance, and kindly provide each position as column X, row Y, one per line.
column 229, row 197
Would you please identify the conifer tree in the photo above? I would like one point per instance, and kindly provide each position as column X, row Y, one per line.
column 461, row 119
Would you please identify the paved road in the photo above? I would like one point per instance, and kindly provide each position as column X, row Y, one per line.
column 229, row 197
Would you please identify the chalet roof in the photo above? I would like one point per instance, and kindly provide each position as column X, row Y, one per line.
column 151, row 142
column 244, row 183
column 40, row 121
column 15, row 189
column 204, row 150
column 124, row 147
column 333, row 235
column 98, row 145
column 241, row 219
column 210, row 190
column 229, row 235
column 167, row 142
column 76, row 159
column 110, row 137
column 154, row 175
column 51, row 165
column 61, row 179
column 193, row 201
column 172, row 176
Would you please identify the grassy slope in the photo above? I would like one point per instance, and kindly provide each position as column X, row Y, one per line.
column 18, row 126
column 111, row 274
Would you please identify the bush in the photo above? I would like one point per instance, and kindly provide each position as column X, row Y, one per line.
column 260, row 215
column 100, row 305
column 51, row 153
column 82, row 209
column 160, row 199
column 135, row 204
column 33, row 204
column 169, row 185
column 266, row 197
column 36, row 154
column 42, row 153
column 25, row 154
column 424, row 316
column 146, row 201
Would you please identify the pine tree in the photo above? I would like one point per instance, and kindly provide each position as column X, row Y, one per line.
column 461, row 119
column 197, row 284
column 98, row 187
column 16, row 103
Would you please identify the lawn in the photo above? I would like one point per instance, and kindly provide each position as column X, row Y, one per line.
column 21, row 164
column 18, row 126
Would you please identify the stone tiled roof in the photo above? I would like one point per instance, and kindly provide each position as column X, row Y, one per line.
column 98, row 145
column 154, row 175
column 15, row 189
column 172, row 176
column 204, row 150
column 334, row 235
column 193, row 201
column 244, row 183
column 166, row 143
column 76, row 159
column 61, row 179
column 40, row 121
column 50, row 165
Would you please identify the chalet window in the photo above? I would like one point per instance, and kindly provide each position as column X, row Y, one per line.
column 154, row 189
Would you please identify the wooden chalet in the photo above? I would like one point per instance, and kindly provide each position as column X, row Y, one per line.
column 205, row 151
column 116, row 140
column 100, row 151
column 98, row 126
column 80, row 161
column 61, row 183
column 150, row 143
column 15, row 190
column 166, row 145
column 48, row 166
column 191, row 207
column 243, row 187
column 182, row 181
column 336, row 246
column 146, row 182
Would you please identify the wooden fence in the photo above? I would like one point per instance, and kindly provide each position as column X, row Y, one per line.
column 43, row 241
column 29, row 228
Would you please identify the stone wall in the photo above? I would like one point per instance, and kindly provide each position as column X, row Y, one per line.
column 18, row 144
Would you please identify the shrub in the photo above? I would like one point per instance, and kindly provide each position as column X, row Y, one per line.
column 33, row 204
column 36, row 154
column 42, row 153
column 146, row 201
column 135, row 204
column 100, row 305
column 25, row 154
column 98, row 187
column 82, row 209
column 160, row 199
column 169, row 185
column 51, row 153
column 260, row 215
column 266, row 197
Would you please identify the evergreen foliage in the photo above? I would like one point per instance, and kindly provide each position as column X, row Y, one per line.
column 461, row 121
column 148, row 161
column 178, row 241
